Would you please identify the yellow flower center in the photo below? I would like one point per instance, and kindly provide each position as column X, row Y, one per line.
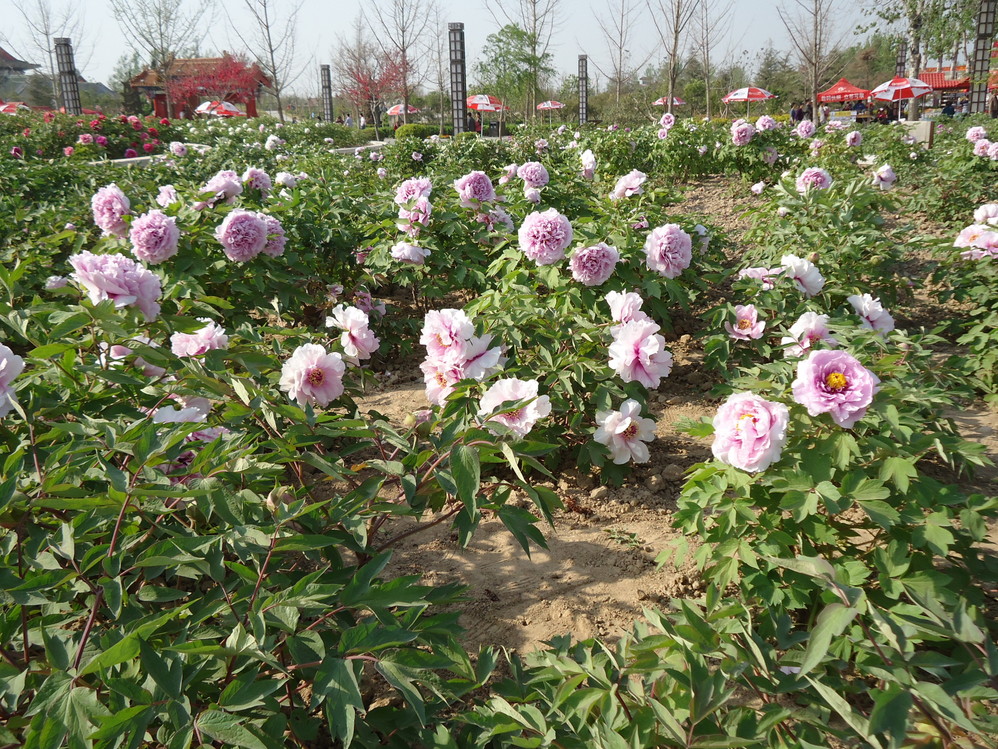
column 744, row 323
column 315, row 376
column 630, row 432
column 836, row 380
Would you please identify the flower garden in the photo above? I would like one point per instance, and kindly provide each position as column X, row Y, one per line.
column 286, row 432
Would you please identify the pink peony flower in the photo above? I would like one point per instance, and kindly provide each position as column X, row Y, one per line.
column 496, row 217
column 85, row 139
column 804, row 274
column 273, row 142
column 533, row 174
column 625, row 432
column 854, row 138
column 884, row 177
column 540, row 145
column 17, row 152
column 118, row 352
column 975, row 235
column 311, row 376
column 808, row 330
column 770, row 155
column 532, row 194
column 475, row 188
column 382, row 172
column 208, row 338
column 593, row 265
column 68, row 151
column 224, row 186
column 813, row 178
column 667, row 121
column 154, row 237
column 118, row 278
column 805, row 129
column 148, row 147
column 56, row 282
column 417, row 156
column 257, row 179
column 11, row 365
column 511, row 390
column 365, row 303
column 992, row 151
column 987, row 214
column 747, row 324
column 446, row 333
column 765, row 122
column 628, row 185
column 286, row 179
column 411, row 189
column 874, row 316
column 625, row 307
column 509, row 171
column 276, row 239
column 638, row 353
column 109, row 205
column 410, row 253
column 243, row 235
column 178, row 149
column 834, row 382
column 357, row 339
column 544, row 236
column 981, row 147
column 749, row 432
column 669, row 250
column 741, row 132
column 758, row 187
column 167, row 195
column 767, row 276
column 976, row 133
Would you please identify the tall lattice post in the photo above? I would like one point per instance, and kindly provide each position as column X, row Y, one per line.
column 327, row 93
column 583, row 89
column 901, row 61
column 68, row 78
column 458, row 78
column 980, row 69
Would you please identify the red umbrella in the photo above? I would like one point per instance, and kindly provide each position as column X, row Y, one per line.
column 485, row 103
column 13, row 107
column 218, row 108
column 676, row 101
column 901, row 88
column 397, row 110
column 750, row 93
column 550, row 104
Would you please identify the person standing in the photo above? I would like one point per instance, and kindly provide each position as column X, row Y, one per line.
column 348, row 121
column 993, row 105
column 363, row 122
column 809, row 111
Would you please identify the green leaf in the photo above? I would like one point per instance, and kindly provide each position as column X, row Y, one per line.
column 467, row 471
column 245, row 691
column 228, row 729
column 831, row 622
column 399, row 677
column 898, row 471
column 523, row 526
column 122, row 651
column 336, row 684
column 890, row 712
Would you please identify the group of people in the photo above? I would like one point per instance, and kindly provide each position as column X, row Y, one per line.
column 806, row 111
column 348, row 121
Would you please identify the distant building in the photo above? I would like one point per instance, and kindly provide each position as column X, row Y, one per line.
column 200, row 79
column 11, row 66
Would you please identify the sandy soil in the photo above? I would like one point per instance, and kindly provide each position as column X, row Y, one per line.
column 599, row 572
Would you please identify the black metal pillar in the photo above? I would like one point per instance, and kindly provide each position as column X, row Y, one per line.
column 981, row 64
column 327, row 93
column 901, row 61
column 583, row 89
column 68, row 77
column 458, row 78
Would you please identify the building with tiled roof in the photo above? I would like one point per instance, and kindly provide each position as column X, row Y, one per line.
column 10, row 65
column 154, row 82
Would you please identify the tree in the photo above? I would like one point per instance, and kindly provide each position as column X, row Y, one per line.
column 127, row 67
column 713, row 19
column 44, row 24
column 365, row 74
column 402, row 28
column 161, row 28
column 537, row 19
column 671, row 17
column 229, row 79
column 809, row 24
column 507, row 68
column 776, row 74
column 618, row 31
column 272, row 42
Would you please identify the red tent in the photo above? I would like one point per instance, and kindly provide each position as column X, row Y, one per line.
column 843, row 91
